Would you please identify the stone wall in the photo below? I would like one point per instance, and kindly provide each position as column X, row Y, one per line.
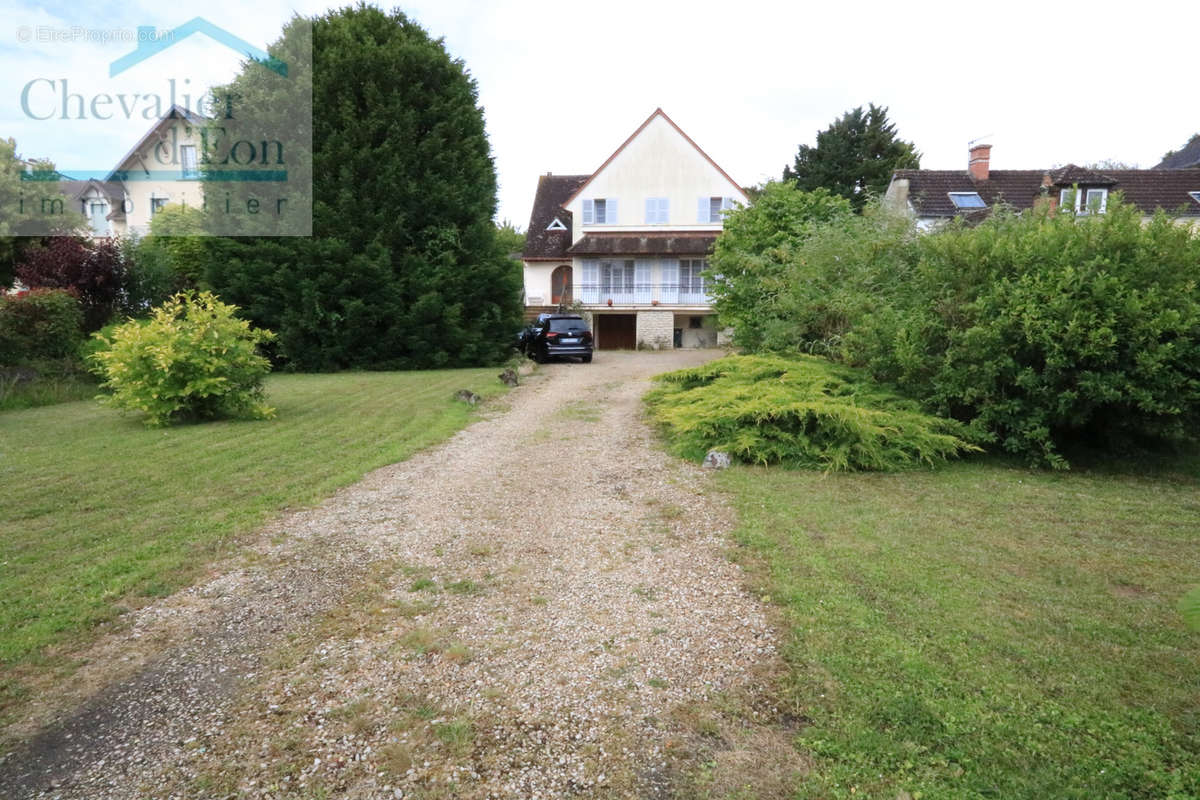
column 655, row 330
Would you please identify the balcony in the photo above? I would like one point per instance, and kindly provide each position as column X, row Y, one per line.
column 628, row 294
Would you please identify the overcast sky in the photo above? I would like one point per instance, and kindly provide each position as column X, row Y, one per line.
column 563, row 84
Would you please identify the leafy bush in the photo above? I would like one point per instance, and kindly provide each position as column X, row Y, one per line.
column 94, row 271
column 800, row 412
column 193, row 359
column 44, row 324
column 1040, row 330
column 752, row 260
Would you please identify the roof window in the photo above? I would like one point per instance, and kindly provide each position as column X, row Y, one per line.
column 967, row 200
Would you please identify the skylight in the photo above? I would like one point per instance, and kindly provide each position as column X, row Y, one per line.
column 556, row 225
column 1195, row 196
column 967, row 200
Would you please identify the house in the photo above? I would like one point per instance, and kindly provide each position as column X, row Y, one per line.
column 629, row 242
column 934, row 196
column 161, row 168
column 1187, row 157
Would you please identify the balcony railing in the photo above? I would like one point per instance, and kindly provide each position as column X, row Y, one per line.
column 645, row 294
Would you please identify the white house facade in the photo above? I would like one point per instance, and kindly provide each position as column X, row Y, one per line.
column 162, row 168
column 630, row 241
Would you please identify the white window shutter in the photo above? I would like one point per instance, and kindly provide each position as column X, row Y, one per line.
column 590, row 291
column 610, row 212
column 668, row 270
column 702, row 214
column 664, row 210
column 726, row 203
column 588, row 212
column 641, row 281
column 651, row 210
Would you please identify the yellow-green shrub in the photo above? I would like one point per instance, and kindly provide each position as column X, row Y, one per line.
column 194, row 359
column 799, row 412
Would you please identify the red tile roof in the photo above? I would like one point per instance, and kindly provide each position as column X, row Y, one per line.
column 1148, row 189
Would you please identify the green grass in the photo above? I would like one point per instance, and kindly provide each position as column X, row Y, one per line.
column 984, row 631
column 99, row 511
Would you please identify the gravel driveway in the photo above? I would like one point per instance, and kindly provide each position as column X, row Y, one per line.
column 540, row 607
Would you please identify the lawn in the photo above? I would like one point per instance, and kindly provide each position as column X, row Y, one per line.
column 99, row 512
column 984, row 630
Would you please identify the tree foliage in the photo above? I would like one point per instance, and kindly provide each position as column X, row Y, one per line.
column 751, row 262
column 1041, row 330
column 404, row 269
column 22, row 194
column 92, row 270
column 43, row 325
column 194, row 359
column 854, row 157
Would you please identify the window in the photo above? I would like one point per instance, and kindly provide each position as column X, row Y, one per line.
column 967, row 200
column 1084, row 201
column 187, row 157
column 156, row 204
column 98, row 216
column 657, row 212
column 690, row 280
column 1195, row 196
column 616, row 277
column 600, row 211
column 556, row 225
column 710, row 208
column 695, row 322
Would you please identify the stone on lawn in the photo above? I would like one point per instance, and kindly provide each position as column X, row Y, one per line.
column 467, row 396
column 715, row 459
column 509, row 377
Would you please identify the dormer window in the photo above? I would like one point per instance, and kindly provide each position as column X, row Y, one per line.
column 967, row 200
column 600, row 211
column 1084, row 201
column 556, row 225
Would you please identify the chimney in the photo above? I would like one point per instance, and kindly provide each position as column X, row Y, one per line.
column 978, row 161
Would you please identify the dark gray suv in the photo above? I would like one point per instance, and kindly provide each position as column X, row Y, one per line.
column 555, row 335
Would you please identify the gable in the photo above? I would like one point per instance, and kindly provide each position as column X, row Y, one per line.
column 659, row 160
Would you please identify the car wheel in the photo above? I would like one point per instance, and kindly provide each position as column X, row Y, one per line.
column 536, row 354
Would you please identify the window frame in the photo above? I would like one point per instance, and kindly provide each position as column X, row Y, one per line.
column 193, row 171
column 957, row 207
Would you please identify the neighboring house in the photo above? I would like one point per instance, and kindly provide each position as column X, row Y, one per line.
column 933, row 196
column 630, row 241
column 163, row 167
column 1186, row 158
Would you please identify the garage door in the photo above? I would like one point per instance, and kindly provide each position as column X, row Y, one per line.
column 616, row 331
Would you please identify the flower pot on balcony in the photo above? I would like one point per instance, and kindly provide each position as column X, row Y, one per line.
column 653, row 302
column 610, row 302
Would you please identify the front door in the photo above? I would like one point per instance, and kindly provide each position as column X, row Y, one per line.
column 560, row 286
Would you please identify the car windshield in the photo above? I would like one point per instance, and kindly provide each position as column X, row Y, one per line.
column 567, row 325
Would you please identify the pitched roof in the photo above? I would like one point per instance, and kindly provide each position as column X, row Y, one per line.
column 658, row 112
column 645, row 244
column 1187, row 157
column 1071, row 175
column 552, row 192
column 177, row 112
column 1148, row 189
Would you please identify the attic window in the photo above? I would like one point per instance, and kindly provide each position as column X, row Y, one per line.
column 1195, row 196
column 967, row 200
column 556, row 225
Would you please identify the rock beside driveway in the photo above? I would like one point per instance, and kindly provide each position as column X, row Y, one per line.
column 716, row 459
